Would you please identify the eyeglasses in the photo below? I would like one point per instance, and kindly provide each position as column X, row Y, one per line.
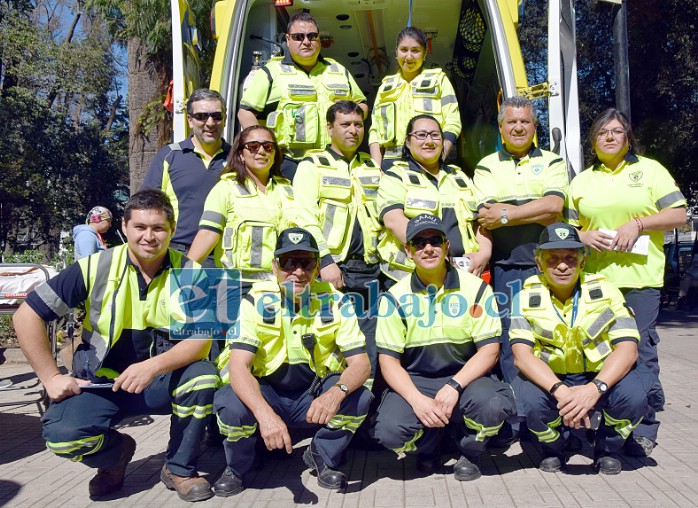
column 422, row 135
column 254, row 146
column 290, row 264
column 420, row 242
column 299, row 37
column 204, row 116
column 615, row 132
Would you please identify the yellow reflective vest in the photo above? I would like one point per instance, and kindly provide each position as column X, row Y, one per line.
column 252, row 221
column 418, row 195
column 276, row 333
column 601, row 317
column 332, row 196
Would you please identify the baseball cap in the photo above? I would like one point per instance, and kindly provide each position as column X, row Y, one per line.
column 422, row 223
column 295, row 239
column 559, row 236
column 98, row 214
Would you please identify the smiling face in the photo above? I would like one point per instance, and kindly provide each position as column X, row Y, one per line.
column 425, row 151
column 428, row 250
column 305, row 52
column 148, row 233
column 410, row 57
column 253, row 154
column 561, row 269
column 517, row 130
column 611, row 142
column 209, row 131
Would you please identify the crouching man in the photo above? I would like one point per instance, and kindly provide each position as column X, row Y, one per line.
column 126, row 364
column 575, row 344
column 299, row 361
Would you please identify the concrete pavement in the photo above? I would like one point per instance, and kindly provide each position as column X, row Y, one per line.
column 31, row 476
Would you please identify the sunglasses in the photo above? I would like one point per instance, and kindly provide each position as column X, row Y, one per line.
column 422, row 241
column 290, row 264
column 254, row 146
column 299, row 37
column 204, row 116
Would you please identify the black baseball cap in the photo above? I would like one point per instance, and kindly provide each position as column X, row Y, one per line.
column 424, row 222
column 559, row 236
column 295, row 239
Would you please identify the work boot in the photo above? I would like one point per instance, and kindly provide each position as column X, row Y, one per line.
column 639, row 446
column 326, row 477
column 607, row 463
column 111, row 479
column 552, row 464
column 428, row 463
column 466, row 469
column 189, row 488
column 228, row 484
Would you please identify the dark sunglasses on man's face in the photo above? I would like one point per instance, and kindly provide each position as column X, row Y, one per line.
column 254, row 146
column 290, row 264
column 204, row 116
column 298, row 37
column 420, row 242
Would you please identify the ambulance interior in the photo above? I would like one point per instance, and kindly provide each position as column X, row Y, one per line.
column 361, row 34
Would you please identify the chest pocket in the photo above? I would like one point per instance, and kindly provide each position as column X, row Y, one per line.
column 335, row 209
column 426, row 94
column 419, row 198
column 296, row 122
column 327, row 354
column 337, row 91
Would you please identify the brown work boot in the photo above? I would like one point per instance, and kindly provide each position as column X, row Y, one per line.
column 111, row 479
column 189, row 488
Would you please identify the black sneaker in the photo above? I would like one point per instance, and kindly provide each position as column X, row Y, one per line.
column 228, row 484
column 327, row 478
column 639, row 446
column 466, row 470
column 608, row 464
column 551, row 464
column 428, row 463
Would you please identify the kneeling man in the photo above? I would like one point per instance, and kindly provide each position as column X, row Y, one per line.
column 299, row 361
column 575, row 344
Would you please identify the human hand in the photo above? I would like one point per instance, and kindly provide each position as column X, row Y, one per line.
column 429, row 412
column 136, row 377
column 325, row 407
column 61, row 386
column 447, row 398
column 626, row 237
column 332, row 274
column 575, row 403
column 274, row 432
column 596, row 239
column 490, row 215
column 478, row 263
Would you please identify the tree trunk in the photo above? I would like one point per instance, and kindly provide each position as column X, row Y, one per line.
column 146, row 81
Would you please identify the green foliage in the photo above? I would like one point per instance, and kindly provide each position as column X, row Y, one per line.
column 27, row 256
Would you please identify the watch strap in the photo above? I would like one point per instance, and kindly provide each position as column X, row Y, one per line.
column 554, row 388
column 455, row 385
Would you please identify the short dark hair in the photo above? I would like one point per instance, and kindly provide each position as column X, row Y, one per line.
column 406, row 154
column 344, row 107
column 202, row 94
column 602, row 119
column 235, row 162
column 517, row 102
column 412, row 32
column 150, row 199
column 300, row 17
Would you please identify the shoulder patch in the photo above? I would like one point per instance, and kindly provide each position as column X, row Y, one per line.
column 534, row 300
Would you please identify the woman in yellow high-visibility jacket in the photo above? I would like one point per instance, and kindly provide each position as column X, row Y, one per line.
column 412, row 91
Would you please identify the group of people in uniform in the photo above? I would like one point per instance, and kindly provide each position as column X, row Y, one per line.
column 361, row 302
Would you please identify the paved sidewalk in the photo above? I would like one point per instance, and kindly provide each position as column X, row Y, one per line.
column 31, row 476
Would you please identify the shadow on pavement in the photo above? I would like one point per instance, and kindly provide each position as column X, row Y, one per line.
column 21, row 437
column 8, row 490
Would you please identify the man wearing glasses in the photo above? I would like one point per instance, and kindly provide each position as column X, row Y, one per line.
column 298, row 360
column 438, row 339
column 520, row 189
column 292, row 94
column 188, row 170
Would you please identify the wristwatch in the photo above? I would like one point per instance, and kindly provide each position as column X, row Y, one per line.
column 343, row 387
column 554, row 388
column 600, row 385
column 455, row 385
column 504, row 219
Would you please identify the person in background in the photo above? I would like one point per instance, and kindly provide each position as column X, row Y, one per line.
column 622, row 198
column 87, row 238
column 422, row 183
column 187, row 171
column 292, row 94
column 412, row 91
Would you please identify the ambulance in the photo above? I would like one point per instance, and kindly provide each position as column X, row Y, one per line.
column 474, row 41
